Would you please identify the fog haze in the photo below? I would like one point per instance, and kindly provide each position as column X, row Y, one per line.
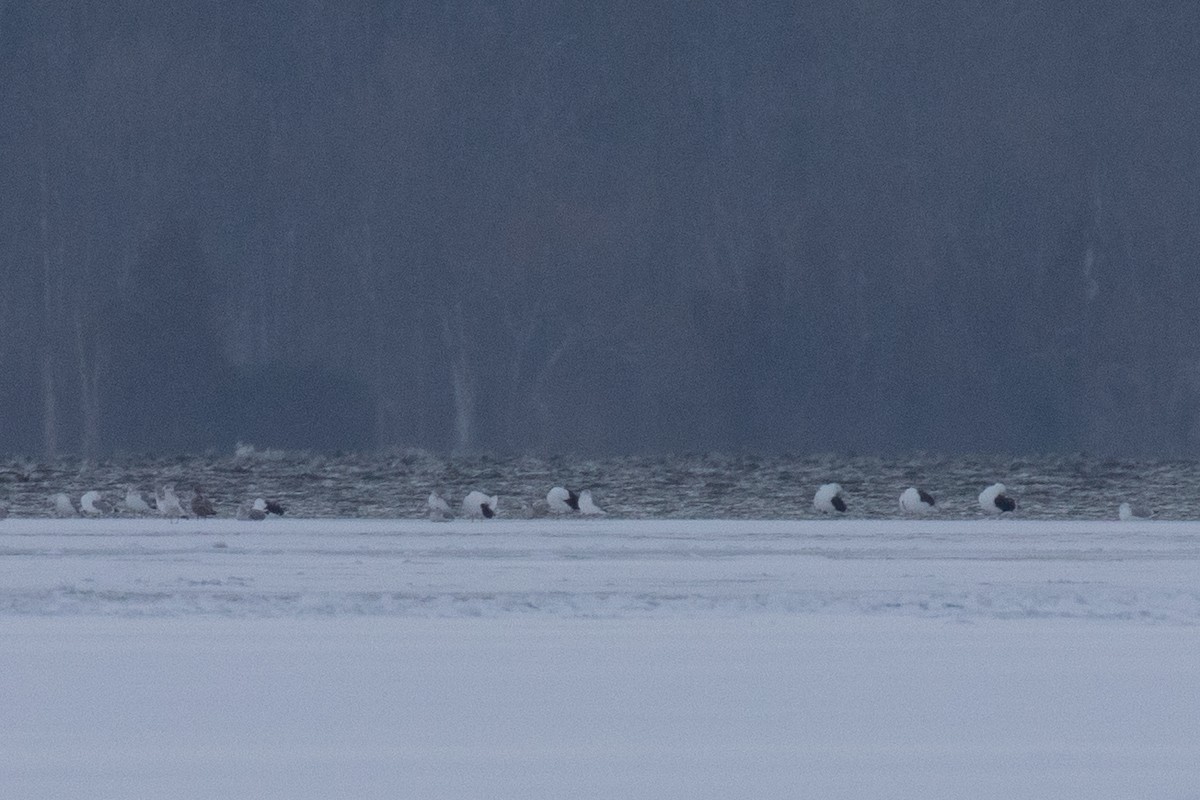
column 599, row 227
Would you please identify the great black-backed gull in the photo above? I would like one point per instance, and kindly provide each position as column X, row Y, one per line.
column 562, row 501
column 993, row 500
column 439, row 509
column 830, row 500
column 1128, row 513
column 917, row 501
column 137, row 502
column 478, row 504
column 93, row 504
column 168, row 502
column 587, row 505
column 63, row 507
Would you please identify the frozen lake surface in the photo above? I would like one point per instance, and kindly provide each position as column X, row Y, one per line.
column 599, row 658
column 963, row 570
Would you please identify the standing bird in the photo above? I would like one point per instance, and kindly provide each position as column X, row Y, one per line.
column 63, row 507
column 168, row 502
column 136, row 502
column 1128, row 513
column 830, row 500
column 587, row 505
column 477, row 504
column 917, row 501
column 93, row 504
column 562, row 501
column 993, row 500
column 201, row 505
column 257, row 510
column 439, row 509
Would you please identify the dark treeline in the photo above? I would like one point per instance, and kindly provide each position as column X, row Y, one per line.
column 599, row 227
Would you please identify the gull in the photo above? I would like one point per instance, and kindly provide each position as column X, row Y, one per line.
column 1128, row 513
column 478, row 504
column 993, row 500
column 562, row 501
column 63, row 507
column 917, row 501
column 201, row 505
column 93, row 504
column 256, row 511
column 587, row 506
column 439, row 509
column 137, row 502
column 829, row 499
column 168, row 502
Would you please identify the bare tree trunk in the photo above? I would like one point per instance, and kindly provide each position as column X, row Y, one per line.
column 49, row 392
column 461, row 380
column 464, row 407
column 521, row 337
column 49, row 406
column 537, row 389
column 527, row 414
column 90, row 371
column 384, row 411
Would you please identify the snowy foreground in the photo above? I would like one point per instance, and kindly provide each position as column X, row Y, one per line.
column 599, row 659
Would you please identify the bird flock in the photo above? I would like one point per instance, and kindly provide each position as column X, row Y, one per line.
column 994, row 500
column 830, row 499
column 479, row 505
column 165, row 502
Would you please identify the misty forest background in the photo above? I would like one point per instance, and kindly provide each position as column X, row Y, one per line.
column 606, row 227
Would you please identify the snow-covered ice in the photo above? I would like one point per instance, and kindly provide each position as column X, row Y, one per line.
column 599, row 658
column 958, row 570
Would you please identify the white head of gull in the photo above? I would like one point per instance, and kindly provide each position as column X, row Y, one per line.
column 479, row 505
column 562, row 501
column 829, row 499
column 995, row 500
column 587, row 505
column 917, row 501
